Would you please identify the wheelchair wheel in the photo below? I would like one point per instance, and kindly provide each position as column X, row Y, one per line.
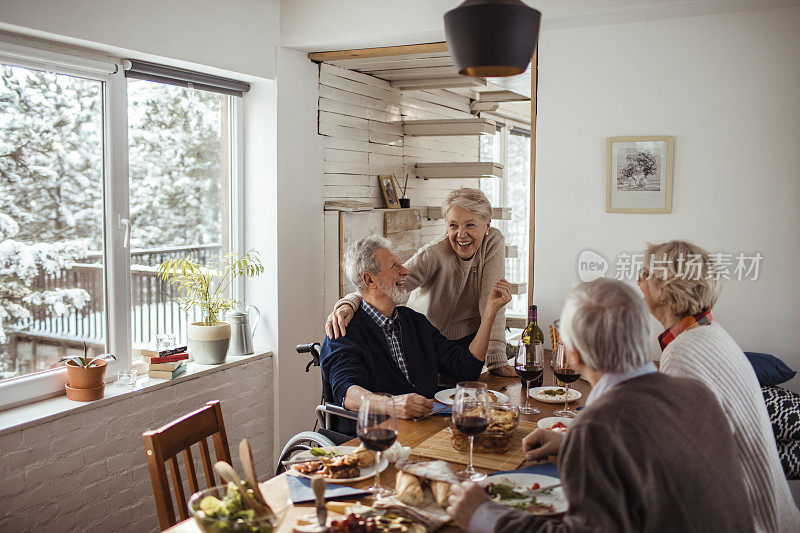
column 301, row 442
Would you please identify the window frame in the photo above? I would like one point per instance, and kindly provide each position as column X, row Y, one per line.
column 502, row 135
column 37, row 386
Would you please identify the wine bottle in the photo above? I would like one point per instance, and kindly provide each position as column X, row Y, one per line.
column 532, row 334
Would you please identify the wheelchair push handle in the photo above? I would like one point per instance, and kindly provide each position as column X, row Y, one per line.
column 313, row 349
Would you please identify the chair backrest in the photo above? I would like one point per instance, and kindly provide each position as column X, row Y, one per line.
column 165, row 443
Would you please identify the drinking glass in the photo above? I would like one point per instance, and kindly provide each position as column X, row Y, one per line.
column 471, row 416
column 564, row 371
column 377, row 429
column 529, row 366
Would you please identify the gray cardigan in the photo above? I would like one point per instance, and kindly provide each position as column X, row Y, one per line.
column 438, row 277
column 651, row 454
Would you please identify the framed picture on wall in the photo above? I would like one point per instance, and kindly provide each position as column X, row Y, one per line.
column 389, row 191
column 639, row 174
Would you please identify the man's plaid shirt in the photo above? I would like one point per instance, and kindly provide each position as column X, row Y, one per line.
column 391, row 330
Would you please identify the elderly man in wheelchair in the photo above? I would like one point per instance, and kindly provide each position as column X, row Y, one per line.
column 390, row 348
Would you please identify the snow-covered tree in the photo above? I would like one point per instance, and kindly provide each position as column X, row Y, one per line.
column 51, row 156
column 175, row 165
column 21, row 263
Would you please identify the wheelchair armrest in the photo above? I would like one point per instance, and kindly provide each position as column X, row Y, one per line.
column 338, row 410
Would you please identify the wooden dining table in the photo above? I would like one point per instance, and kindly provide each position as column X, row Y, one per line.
column 411, row 433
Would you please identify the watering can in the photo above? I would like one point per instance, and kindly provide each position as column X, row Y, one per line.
column 241, row 334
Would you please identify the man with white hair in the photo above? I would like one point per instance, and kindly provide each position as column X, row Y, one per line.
column 390, row 348
column 649, row 452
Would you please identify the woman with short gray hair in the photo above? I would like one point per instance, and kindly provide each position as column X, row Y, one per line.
column 451, row 278
column 680, row 285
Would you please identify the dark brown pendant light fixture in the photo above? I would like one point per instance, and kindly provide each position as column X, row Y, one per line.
column 491, row 38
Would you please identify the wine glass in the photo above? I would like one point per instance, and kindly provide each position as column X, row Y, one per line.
column 377, row 429
column 471, row 416
column 564, row 371
column 529, row 365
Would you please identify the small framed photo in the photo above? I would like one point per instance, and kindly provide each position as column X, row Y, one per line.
column 639, row 174
column 389, row 191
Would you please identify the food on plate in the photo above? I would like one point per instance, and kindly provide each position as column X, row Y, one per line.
column 336, row 467
column 558, row 426
column 408, row 488
column 387, row 523
column 492, row 396
column 321, row 452
column 552, row 392
column 496, row 438
column 510, row 496
column 229, row 514
column 441, row 492
column 365, row 457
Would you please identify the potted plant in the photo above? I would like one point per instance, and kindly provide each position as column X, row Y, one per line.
column 404, row 202
column 206, row 287
column 86, row 376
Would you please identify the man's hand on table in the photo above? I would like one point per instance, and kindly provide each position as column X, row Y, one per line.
column 540, row 443
column 465, row 498
column 506, row 371
column 412, row 405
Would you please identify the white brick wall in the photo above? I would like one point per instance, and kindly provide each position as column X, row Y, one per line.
column 87, row 471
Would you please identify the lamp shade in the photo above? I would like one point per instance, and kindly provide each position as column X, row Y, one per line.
column 490, row 38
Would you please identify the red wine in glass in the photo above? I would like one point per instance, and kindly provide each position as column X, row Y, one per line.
column 471, row 425
column 528, row 373
column 377, row 439
column 567, row 375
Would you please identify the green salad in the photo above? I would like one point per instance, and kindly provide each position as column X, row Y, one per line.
column 229, row 515
column 509, row 496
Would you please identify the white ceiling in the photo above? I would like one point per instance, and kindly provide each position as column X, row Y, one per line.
column 319, row 25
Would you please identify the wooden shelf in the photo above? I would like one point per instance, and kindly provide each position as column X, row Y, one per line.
column 519, row 288
column 449, row 127
column 434, row 212
column 516, row 322
column 424, row 84
column 465, row 170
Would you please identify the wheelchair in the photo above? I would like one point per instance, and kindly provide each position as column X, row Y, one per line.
column 321, row 435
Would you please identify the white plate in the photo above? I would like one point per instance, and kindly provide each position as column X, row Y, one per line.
column 524, row 482
column 536, row 394
column 444, row 396
column 366, row 473
column 550, row 421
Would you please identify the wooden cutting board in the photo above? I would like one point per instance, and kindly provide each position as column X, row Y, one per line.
column 439, row 446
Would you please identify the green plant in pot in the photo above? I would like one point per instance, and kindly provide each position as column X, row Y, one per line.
column 86, row 375
column 206, row 288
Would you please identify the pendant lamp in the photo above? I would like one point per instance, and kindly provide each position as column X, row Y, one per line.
column 490, row 38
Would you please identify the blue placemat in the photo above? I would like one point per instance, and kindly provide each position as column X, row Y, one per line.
column 300, row 490
column 544, row 469
column 445, row 412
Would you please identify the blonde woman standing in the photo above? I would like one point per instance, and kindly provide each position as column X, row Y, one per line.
column 452, row 277
column 680, row 289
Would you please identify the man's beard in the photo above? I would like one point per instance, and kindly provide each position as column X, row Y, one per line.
column 399, row 296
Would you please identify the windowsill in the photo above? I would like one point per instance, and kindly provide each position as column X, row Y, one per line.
column 54, row 408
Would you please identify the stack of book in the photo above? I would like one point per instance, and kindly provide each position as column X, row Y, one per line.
column 166, row 364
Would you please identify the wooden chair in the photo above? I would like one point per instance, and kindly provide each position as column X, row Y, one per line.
column 165, row 443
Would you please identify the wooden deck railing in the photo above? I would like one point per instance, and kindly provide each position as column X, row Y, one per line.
column 153, row 307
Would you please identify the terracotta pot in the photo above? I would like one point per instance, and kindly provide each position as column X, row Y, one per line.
column 85, row 395
column 86, row 378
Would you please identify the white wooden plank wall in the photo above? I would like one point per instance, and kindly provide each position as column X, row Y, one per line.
column 356, row 115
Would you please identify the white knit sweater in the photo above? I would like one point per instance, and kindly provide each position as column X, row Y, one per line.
column 709, row 354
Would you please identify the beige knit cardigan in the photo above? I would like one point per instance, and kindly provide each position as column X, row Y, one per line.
column 437, row 277
column 710, row 354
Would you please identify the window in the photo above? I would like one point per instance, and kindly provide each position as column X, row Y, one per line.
column 178, row 159
column 51, row 219
column 510, row 145
column 90, row 208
